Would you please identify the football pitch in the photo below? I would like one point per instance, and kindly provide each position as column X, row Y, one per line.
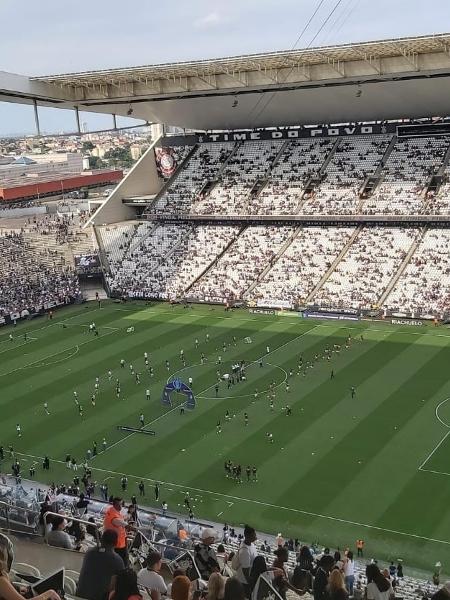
column 374, row 466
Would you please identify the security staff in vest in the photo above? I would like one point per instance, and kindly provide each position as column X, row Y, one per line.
column 116, row 521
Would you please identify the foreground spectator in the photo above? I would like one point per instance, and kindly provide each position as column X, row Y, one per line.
column 8, row 591
column 234, row 590
column 150, row 578
column 378, row 587
column 245, row 557
column 205, row 556
column 336, row 589
column 6, row 543
column 114, row 520
column 349, row 572
column 325, row 565
column 181, row 588
column 125, row 586
column 99, row 566
column 216, row 587
column 57, row 536
column 443, row 593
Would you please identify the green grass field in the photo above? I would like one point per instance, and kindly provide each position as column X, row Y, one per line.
column 376, row 466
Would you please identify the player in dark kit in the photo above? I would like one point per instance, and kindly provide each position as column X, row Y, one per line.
column 353, row 391
column 249, row 472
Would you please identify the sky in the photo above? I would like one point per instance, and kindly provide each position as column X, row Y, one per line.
column 54, row 36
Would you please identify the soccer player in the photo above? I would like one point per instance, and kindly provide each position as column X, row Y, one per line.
column 182, row 409
column 182, row 355
column 187, row 501
column 218, row 427
column 131, row 369
column 141, row 487
column 353, row 391
column 167, row 365
column 196, row 342
column 190, row 381
column 80, row 410
column 256, row 393
column 288, row 389
column 147, row 394
column 118, row 391
column 267, row 350
column 75, row 397
column 142, row 419
column 138, row 378
column 227, row 416
column 25, row 337
column 124, row 483
column 269, row 437
column 248, row 471
column 219, row 360
column 88, row 454
column 245, row 419
column 260, row 363
column 145, row 356
column 109, row 375
column 332, row 374
column 93, row 400
column 94, row 448
column 216, row 389
column 151, row 372
column 10, row 337
column 255, row 474
column 207, row 337
column 202, row 358
column 288, row 411
column 46, row 408
column 19, row 430
column 271, row 405
column 122, row 363
column 104, row 444
column 156, row 489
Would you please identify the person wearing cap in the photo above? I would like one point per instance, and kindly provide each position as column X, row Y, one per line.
column 205, row 557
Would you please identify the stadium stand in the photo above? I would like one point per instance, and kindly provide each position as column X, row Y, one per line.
column 31, row 558
column 362, row 275
column 405, row 173
column 299, row 162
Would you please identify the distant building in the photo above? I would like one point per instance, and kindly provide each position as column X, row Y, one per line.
column 136, row 152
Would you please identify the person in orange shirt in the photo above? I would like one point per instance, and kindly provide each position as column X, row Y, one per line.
column 359, row 547
column 116, row 521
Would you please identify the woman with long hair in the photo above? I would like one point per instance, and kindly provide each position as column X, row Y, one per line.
column 8, row 591
column 216, row 587
column 234, row 590
column 348, row 567
column 181, row 588
column 378, row 587
column 336, row 589
column 125, row 586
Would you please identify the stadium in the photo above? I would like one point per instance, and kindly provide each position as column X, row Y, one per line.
column 250, row 331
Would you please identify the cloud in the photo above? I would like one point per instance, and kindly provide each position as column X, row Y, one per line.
column 212, row 19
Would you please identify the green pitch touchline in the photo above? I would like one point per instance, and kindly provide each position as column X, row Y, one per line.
column 261, row 503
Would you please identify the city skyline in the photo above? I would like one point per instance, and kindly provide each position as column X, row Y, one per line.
column 100, row 35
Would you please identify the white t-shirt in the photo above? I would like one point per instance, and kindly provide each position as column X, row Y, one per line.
column 247, row 555
column 373, row 593
column 152, row 581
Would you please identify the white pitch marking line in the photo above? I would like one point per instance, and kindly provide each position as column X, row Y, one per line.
column 302, row 321
column 265, row 504
column 436, row 412
column 12, row 347
column 62, row 321
column 41, row 360
column 202, row 392
column 54, row 362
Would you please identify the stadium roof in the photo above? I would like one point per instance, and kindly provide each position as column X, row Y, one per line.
column 407, row 77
